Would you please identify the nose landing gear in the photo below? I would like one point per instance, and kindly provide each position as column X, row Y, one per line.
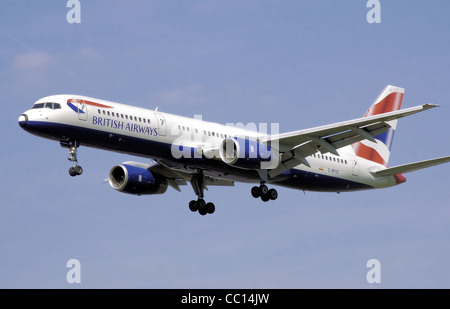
column 76, row 169
column 73, row 147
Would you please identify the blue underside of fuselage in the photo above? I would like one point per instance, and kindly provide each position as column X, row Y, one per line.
column 293, row 178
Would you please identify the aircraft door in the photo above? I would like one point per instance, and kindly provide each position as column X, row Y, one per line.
column 82, row 109
column 162, row 126
column 355, row 166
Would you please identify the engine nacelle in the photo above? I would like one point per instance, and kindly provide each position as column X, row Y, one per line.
column 245, row 153
column 136, row 180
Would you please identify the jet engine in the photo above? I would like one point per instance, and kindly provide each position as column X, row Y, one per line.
column 136, row 180
column 245, row 153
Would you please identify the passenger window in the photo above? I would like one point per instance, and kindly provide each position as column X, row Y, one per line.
column 112, row 114
column 140, row 119
column 108, row 113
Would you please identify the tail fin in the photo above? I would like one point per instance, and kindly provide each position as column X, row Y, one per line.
column 389, row 100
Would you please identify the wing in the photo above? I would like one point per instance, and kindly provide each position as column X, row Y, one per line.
column 295, row 146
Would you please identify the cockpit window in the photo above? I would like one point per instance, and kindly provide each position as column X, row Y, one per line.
column 47, row 105
column 38, row 105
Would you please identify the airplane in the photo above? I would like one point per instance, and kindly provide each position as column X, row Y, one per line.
column 345, row 156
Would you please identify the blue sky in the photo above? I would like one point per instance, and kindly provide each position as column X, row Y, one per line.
column 298, row 63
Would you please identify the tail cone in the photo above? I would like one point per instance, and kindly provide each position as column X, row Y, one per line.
column 399, row 178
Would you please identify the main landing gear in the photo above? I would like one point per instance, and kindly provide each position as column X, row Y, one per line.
column 200, row 205
column 73, row 147
column 264, row 192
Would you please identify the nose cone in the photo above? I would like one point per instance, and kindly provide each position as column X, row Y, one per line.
column 23, row 120
column 399, row 178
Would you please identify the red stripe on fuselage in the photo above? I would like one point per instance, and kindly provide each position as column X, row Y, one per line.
column 88, row 103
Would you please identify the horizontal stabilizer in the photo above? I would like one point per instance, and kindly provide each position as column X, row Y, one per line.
column 406, row 168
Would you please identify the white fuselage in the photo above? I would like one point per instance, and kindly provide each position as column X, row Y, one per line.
column 183, row 143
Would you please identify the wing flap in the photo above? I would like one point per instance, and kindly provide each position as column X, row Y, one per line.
column 211, row 181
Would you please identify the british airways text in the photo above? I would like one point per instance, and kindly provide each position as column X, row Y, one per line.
column 120, row 125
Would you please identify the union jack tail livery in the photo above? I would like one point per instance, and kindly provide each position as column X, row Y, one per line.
column 389, row 100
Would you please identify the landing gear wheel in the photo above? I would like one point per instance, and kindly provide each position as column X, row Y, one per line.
column 263, row 190
column 72, row 172
column 264, row 193
column 202, row 211
column 193, row 205
column 265, row 198
column 273, row 194
column 200, row 203
column 78, row 170
column 210, row 208
column 75, row 170
column 202, row 207
column 256, row 192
